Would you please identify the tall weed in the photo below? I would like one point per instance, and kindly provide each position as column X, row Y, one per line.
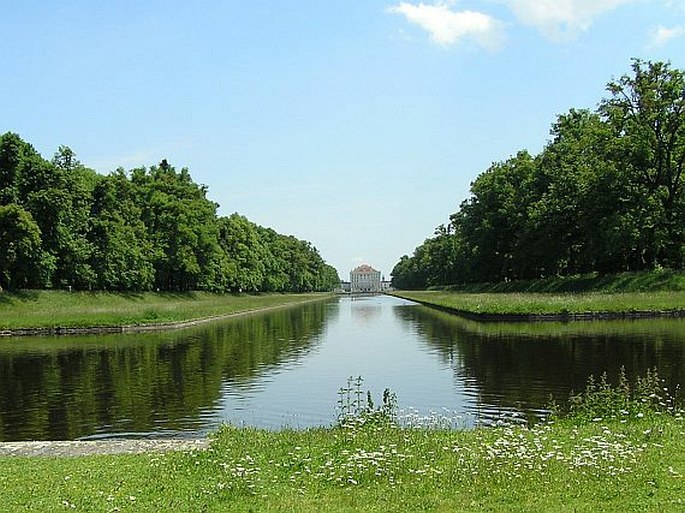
column 356, row 407
column 602, row 400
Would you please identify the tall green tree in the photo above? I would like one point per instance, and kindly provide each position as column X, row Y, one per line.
column 13, row 155
column 121, row 256
column 22, row 261
column 646, row 111
column 180, row 221
column 607, row 194
column 57, row 194
column 494, row 218
column 69, row 202
column 569, row 225
column 244, row 266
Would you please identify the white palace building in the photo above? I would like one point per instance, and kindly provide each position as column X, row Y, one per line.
column 365, row 279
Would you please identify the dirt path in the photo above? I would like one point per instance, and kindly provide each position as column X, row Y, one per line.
column 87, row 448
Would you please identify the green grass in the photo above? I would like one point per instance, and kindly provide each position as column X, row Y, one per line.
column 49, row 309
column 621, row 463
column 533, row 303
column 657, row 291
column 647, row 281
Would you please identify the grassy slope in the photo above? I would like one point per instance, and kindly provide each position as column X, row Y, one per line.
column 37, row 309
column 637, row 464
column 610, row 283
column 636, row 292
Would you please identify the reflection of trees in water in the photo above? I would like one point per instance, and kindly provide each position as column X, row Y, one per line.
column 520, row 365
column 65, row 388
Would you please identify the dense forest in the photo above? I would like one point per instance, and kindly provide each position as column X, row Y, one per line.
column 63, row 225
column 605, row 195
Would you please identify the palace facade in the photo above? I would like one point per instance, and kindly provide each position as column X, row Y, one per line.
column 365, row 279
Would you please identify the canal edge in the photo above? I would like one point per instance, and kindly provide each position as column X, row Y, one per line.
column 77, row 448
column 142, row 328
column 560, row 317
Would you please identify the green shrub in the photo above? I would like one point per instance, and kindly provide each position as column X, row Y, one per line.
column 602, row 400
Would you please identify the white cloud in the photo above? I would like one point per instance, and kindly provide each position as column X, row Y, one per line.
column 447, row 27
column 662, row 35
column 561, row 19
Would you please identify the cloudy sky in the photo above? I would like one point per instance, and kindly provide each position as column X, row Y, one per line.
column 355, row 124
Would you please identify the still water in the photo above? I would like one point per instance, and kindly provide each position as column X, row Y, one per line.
column 285, row 367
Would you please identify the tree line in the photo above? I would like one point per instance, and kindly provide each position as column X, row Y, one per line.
column 605, row 195
column 62, row 225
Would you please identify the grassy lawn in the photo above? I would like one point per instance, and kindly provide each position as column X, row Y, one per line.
column 47, row 309
column 619, row 293
column 635, row 463
column 645, row 281
column 526, row 303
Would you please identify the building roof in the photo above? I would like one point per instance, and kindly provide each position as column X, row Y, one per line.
column 365, row 269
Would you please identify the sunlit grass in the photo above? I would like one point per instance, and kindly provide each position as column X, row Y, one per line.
column 628, row 454
column 525, row 303
column 608, row 465
column 38, row 309
column 656, row 291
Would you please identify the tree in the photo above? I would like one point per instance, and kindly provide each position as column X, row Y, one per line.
column 13, row 152
column 494, row 218
column 647, row 113
column 181, row 223
column 579, row 194
column 408, row 274
column 57, row 195
column 22, row 262
column 121, row 249
column 607, row 194
column 245, row 253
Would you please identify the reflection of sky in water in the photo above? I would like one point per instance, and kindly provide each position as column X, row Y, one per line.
column 364, row 313
column 365, row 340
column 285, row 368
column 438, row 362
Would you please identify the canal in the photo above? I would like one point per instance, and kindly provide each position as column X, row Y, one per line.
column 284, row 368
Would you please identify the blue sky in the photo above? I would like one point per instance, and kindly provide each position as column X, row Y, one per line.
column 357, row 125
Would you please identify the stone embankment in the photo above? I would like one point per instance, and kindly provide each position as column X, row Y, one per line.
column 133, row 328
column 92, row 447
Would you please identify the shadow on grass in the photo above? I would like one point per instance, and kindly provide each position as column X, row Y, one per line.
column 10, row 297
column 16, row 296
column 654, row 281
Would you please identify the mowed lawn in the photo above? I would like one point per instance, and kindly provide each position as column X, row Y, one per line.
column 610, row 465
column 535, row 303
column 49, row 309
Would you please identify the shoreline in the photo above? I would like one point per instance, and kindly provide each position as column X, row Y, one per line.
column 77, row 448
column 551, row 317
column 141, row 328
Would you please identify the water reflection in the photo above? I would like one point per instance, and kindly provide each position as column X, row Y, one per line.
column 73, row 387
column 520, row 366
column 365, row 312
column 285, row 367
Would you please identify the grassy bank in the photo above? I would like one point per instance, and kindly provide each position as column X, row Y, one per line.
column 624, row 293
column 528, row 303
column 610, row 455
column 48, row 309
column 652, row 281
